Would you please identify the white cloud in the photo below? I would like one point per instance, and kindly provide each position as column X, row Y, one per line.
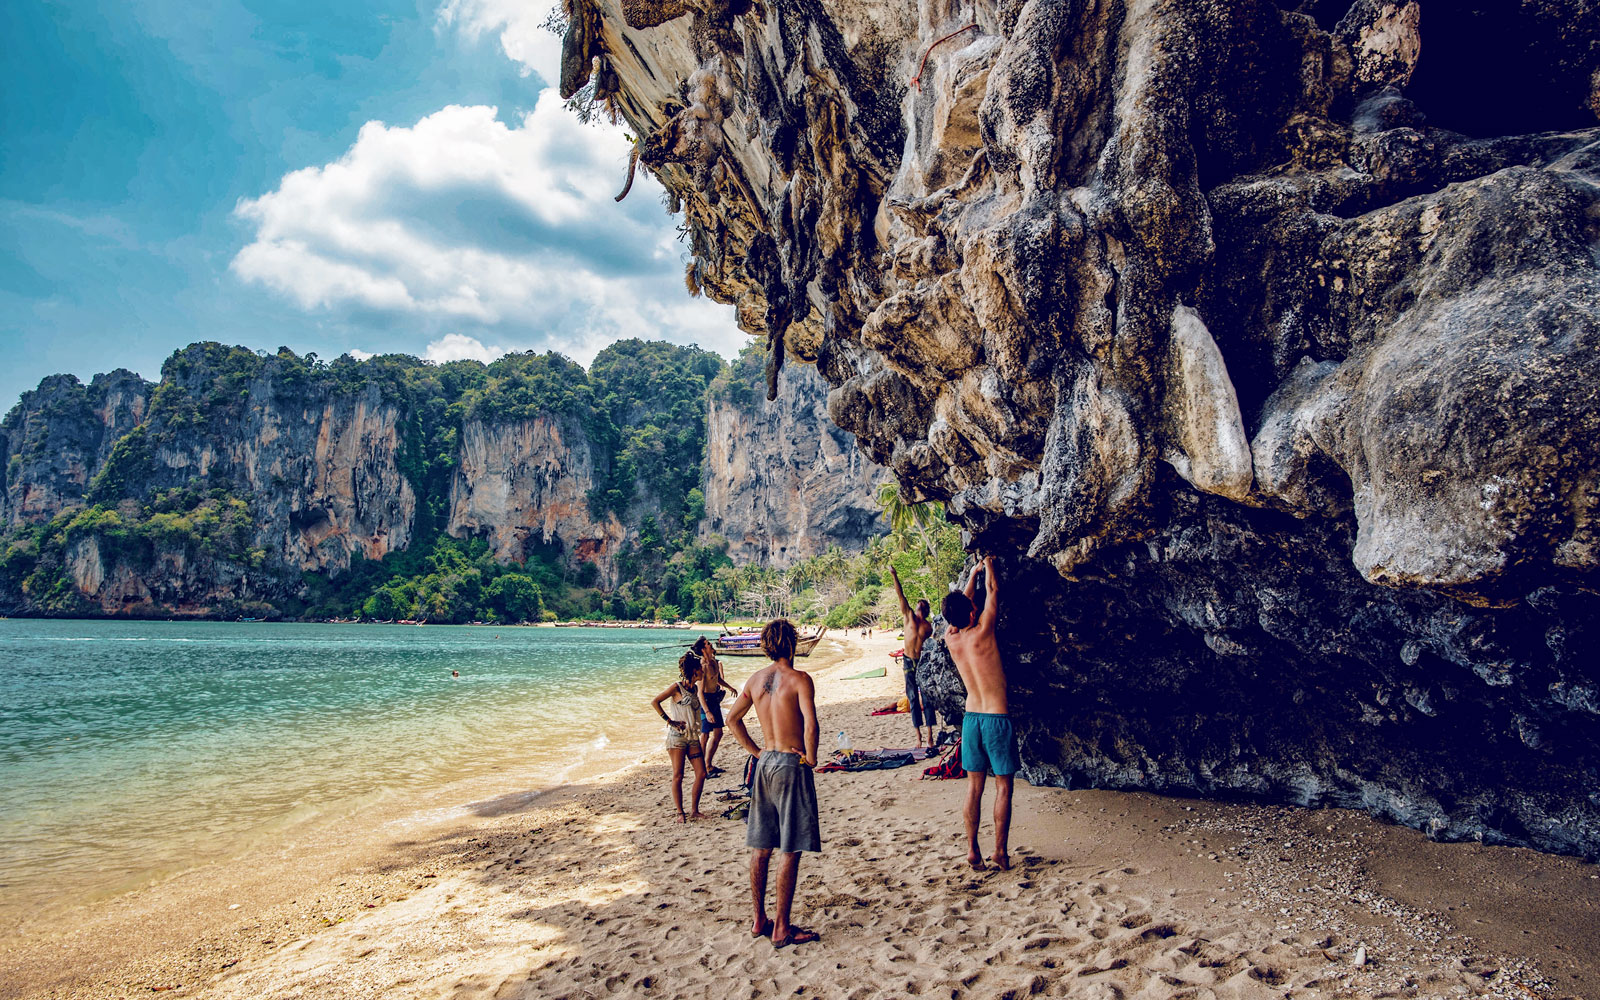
column 520, row 25
column 492, row 232
column 460, row 347
column 359, row 354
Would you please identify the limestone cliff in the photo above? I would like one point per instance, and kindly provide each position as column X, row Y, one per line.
column 322, row 471
column 217, row 489
column 1258, row 338
column 781, row 482
column 319, row 466
column 59, row 436
column 525, row 484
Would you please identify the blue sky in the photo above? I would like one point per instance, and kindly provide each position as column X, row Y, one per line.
column 328, row 176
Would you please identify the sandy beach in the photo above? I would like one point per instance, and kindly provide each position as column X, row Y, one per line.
column 592, row 890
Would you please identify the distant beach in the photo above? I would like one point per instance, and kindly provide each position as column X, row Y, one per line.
column 492, row 887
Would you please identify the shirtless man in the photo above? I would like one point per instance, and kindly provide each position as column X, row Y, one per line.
column 988, row 744
column 918, row 629
column 783, row 796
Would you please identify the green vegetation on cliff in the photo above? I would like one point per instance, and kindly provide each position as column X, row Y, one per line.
column 159, row 503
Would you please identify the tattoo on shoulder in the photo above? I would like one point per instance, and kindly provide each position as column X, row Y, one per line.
column 770, row 682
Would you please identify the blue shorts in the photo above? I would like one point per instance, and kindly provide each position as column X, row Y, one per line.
column 989, row 744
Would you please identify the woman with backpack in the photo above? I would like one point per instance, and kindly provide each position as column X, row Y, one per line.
column 682, row 715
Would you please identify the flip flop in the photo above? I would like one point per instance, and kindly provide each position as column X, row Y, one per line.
column 797, row 935
column 765, row 931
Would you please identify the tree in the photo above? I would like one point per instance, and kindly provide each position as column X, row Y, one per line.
column 516, row 597
column 387, row 603
column 907, row 518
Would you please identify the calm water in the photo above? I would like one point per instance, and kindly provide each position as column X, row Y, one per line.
column 129, row 749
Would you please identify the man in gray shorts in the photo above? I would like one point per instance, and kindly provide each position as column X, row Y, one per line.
column 783, row 799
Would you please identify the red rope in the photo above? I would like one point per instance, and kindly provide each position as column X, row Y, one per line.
column 916, row 81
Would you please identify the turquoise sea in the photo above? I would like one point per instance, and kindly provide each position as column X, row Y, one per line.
column 133, row 749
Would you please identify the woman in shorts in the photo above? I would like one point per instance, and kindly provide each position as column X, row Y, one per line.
column 713, row 685
column 682, row 716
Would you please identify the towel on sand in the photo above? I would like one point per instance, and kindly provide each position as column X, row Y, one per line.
column 870, row 673
column 875, row 760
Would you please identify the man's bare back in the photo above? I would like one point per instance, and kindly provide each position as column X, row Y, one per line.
column 784, row 700
column 978, row 661
column 917, row 632
column 976, row 654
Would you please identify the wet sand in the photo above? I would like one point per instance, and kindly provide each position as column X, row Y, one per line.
column 591, row 890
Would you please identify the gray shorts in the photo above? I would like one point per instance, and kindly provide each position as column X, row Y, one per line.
column 783, row 805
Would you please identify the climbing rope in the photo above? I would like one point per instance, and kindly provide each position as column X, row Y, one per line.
column 916, row 81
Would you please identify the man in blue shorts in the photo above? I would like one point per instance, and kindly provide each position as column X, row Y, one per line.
column 988, row 743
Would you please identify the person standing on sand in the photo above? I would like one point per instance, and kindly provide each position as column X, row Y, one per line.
column 683, row 732
column 783, row 795
column 918, row 629
column 712, row 685
column 988, row 743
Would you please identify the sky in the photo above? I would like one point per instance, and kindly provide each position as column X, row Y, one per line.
column 331, row 177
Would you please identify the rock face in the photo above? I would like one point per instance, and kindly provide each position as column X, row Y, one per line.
column 1257, row 338
column 218, row 487
column 322, row 471
column 781, row 482
column 59, row 435
column 525, row 484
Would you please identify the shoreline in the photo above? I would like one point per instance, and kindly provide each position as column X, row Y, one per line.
column 317, row 858
column 202, row 616
column 118, row 802
column 528, row 892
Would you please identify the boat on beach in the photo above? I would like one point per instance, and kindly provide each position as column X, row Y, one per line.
column 749, row 644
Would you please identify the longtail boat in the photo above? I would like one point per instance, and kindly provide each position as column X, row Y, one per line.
column 749, row 644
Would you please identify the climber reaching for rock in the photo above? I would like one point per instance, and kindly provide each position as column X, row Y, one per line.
column 988, row 743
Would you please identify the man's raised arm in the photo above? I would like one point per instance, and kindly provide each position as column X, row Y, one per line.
column 736, row 716
column 991, row 603
column 899, row 591
column 971, row 589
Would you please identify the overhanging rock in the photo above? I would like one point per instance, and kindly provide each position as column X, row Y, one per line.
column 1279, row 403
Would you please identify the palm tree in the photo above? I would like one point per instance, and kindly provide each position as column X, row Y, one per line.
column 905, row 517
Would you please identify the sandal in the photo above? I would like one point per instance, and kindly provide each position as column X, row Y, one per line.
column 797, row 935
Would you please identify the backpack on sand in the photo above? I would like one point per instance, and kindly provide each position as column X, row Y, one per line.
column 949, row 767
